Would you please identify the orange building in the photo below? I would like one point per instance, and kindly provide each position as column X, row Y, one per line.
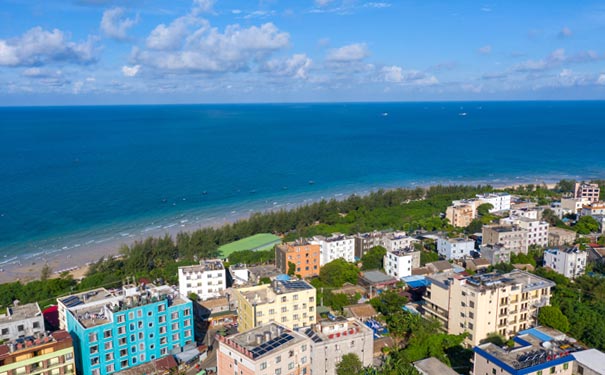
column 304, row 255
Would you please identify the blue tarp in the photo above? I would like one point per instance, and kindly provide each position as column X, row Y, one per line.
column 282, row 277
column 416, row 281
column 536, row 333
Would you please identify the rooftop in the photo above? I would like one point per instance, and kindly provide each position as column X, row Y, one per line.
column 261, row 341
column 336, row 328
column 205, row 265
column 377, row 277
column 404, row 252
column 494, row 280
column 458, row 240
column 85, row 297
column 20, row 312
column 534, row 349
column 28, row 342
column 361, row 310
column 591, row 358
column 267, row 293
column 433, row 366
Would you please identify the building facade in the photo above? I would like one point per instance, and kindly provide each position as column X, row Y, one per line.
column 399, row 263
column 500, row 201
column 289, row 303
column 303, row 254
column 207, row 280
column 365, row 241
column 398, row 240
column 331, row 339
column 588, row 191
column 334, row 247
column 560, row 237
column 570, row 262
column 537, row 231
column 513, row 238
column 39, row 354
column 483, row 304
column 495, row 253
column 461, row 215
column 270, row 349
column 21, row 321
column 137, row 325
column 455, row 248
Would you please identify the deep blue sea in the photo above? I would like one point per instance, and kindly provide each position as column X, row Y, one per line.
column 72, row 175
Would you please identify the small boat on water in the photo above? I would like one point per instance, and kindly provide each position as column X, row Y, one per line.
column 204, row 192
column 385, row 114
column 311, row 182
column 462, row 114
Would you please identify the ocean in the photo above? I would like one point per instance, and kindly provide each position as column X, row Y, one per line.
column 73, row 176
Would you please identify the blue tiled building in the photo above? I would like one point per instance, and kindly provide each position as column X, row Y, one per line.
column 128, row 328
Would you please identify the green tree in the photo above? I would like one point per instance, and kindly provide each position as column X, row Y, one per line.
column 388, row 302
column 45, row 272
column 338, row 272
column 350, row 364
column 566, row 186
column 291, row 269
column 553, row 317
column 475, row 226
column 372, row 260
column 484, row 208
column 586, row 225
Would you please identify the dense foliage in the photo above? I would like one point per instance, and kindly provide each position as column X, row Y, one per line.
column 372, row 260
column 349, row 364
column 338, row 272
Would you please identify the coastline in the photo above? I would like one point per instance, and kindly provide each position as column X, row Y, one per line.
column 76, row 257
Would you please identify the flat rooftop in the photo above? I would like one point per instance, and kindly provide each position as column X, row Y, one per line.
column 404, row 251
column 376, row 277
column 264, row 340
column 20, row 312
column 433, row 366
column 27, row 343
column 268, row 292
column 337, row 328
column 205, row 265
column 90, row 296
column 494, row 280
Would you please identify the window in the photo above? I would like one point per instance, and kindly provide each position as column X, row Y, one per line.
column 175, row 326
column 121, row 319
column 162, row 330
column 284, row 309
column 565, row 366
column 303, row 360
column 131, row 315
column 187, row 323
column 164, row 351
column 141, row 335
column 161, row 308
column 122, row 341
column 139, row 313
column 162, row 319
column 133, row 349
column 108, row 345
column 277, row 371
column 174, row 315
column 121, row 330
column 553, row 369
column 150, row 313
column 123, row 352
column 187, row 312
column 278, row 359
column 175, row 337
column 141, row 346
column 36, row 324
column 4, row 331
column 109, row 357
column 284, row 298
column 124, row 364
column 303, row 348
column 107, row 334
column 494, row 371
column 92, row 337
column 290, row 365
column 96, row 371
column 94, row 349
column 263, row 365
column 20, row 327
column 94, row 361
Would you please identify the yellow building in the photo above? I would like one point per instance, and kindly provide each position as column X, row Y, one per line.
column 290, row 303
column 461, row 215
column 488, row 303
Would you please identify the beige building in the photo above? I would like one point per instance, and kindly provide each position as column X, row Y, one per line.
column 560, row 237
column 332, row 339
column 512, row 238
column 290, row 303
column 539, row 351
column 460, row 215
column 483, row 304
column 270, row 349
column 588, row 191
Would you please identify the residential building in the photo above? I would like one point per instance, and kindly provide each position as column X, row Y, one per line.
column 495, row 253
column 483, row 304
column 589, row 191
column 461, row 215
column 270, row 272
column 334, row 247
column 440, row 266
column 455, row 248
column 376, row 280
column 398, row 240
column 290, row 303
column 361, row 311
column 38, row 354
column 399, row 263
column 570, row 262
column 594, row 209
column 572, row 205
column 536, row 351
column 530, row 213
column 513, row 238
column 207, row 279
column 365, row 241
column 560, row 237
column 478, row 264
column 21, row 321
column 302, row 253
column 537, row 231
column 239, row 274
column 589, row 362
column 331, row 339
column 433, row 366
column 269, row 349
column 135, row 325
column 90, row 296
column 500, row 201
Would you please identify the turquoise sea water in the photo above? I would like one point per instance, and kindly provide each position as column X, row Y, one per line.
column 70, row 175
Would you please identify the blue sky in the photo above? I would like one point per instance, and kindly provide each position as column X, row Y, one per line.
column 205, row 51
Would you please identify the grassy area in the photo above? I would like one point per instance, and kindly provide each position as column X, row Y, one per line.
column 261, row 241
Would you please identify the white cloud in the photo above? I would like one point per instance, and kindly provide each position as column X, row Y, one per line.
column 601, row 79
column 297, row 66
column 485, row 50
column 396, row 74
column 565, row 32
column 349, row 53
column 171, row 37
column 115, row 25
column 322, row 3
column 486, row 9
column 130, row 71
column 378, row 5
column 202, row 6
column 38, row 47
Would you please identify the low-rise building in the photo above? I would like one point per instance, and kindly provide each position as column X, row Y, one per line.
column 455, row 248
column 495, row 254
column 399, row 263
column 239, row 274
column 594, row 209
column 264, row 272
column 589, row 362
column 589, row 191
column 483, row 304
column 461, row 215
column 433, row 366
column 570, row 262
column 513, row 238
column 207, row 280
column 365, row 241
column 304, row 254
column 376, row 280
column 560, row 237
column 21, row 321
column 500, row 201
column 361, row 311
column 38, row 354
column 290, row 303
column 269, row 349
column 398, row 240
column 572, row 205
column 331, row 339
column 537, row 230
column 334, row 247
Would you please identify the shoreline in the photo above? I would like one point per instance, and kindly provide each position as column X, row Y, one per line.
column 76, row 257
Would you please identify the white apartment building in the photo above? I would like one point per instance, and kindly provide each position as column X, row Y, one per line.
column 399, row 263
column 455, row 248
column 588, row 191
column 398, row 240
column 594, row 209
column 570, row 263
column 511, row 237
column 537, row 231
column 483, row 304
column 495, row 253
column 572, row 205
column 336, row 246
column 207, row 280
column 21, row 321
column 500, row 201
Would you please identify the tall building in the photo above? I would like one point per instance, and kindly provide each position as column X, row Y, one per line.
column 38, row 354
column 88, row 297
column 483, row 304
column 207, row 280
column 334, row 247
column 331, row 339
column 399, row 263
column 589, row 191
column 269, row 349
column 131, row 327
column 537, row 231
column 570, row 262
column 461, row 215
column 21, row 321
column 303, row 254
column 455, row 248
column 365, row 241
column 513, row 238
column 500, row 201
column 398, row 240
column 290, row 303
